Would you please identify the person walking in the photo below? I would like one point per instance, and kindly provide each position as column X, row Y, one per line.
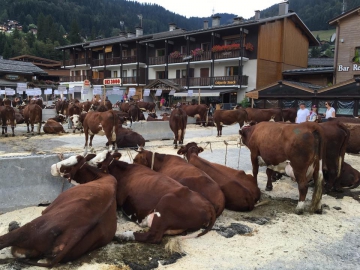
column 302, row 114
column 330, row 111
column 313, row 114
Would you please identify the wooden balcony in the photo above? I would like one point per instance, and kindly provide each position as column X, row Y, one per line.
column 216, row 81
column 113, row 61
column 69, row 62
column 78, row 78
column 79, row 61
column 129, row 59
column 203, row 57
column 229, row 54
column 97, row 62
column 159, row 60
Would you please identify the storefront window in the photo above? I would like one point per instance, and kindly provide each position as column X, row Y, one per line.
column 288, row 104
column 321, row 106
column 308, row 103
column 269, row 104
column 345, row 107
column 259, row 103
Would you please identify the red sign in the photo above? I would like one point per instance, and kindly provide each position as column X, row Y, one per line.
column 86, row 83
column 112, row 81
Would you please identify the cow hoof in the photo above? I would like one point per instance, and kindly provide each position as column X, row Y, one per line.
column 319, row 211
column 6, row 135
column 269, row 188
column 299, row 211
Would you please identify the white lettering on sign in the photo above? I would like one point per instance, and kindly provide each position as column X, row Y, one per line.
column 112, row 81
column 356, row 67
column 342, row 68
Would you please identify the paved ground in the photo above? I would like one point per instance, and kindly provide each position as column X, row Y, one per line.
column 279, row 238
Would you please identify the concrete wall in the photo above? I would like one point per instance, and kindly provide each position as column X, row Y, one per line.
column 48, row 113
column 153, row 130
column 26, row 181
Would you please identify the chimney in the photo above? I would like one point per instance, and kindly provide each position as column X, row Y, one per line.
column 238, row 20
column 206, row 24
column 283, row 8
column 130, row 34
column 257, row 15
column 172, row 26
column 139, row 31
column 215, row 21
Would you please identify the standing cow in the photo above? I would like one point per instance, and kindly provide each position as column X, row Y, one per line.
column 147, row 106
column 74, row 109
column 101, row 123
column 298, row 150
column 33, row 114
column 178, row 122
column 263, row 115
column 202, row 110
column 229, row 117
column 7, row 116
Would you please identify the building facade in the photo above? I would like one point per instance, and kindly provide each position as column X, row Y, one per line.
column 347, row 45
column 226, row 59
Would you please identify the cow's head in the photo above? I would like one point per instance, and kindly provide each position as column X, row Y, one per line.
column 349, row 177
column 104, row 159
column 61, row 118
column 71, row 161
column 76, row 121
column 141, row 157
column 153, row 115
column 190, row 148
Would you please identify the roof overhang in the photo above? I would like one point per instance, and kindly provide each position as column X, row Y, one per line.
column 164, row 85
column 329, row 70
column 335, row 20
column 204, row 93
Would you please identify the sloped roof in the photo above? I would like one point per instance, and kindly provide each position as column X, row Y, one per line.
column 161, row 82
column 308, row 71
column 341, row 16
column 11, row 66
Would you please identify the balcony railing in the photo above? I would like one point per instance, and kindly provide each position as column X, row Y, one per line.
column 159, row 60
column 203, row 57
column 216, row 81
column 129, row 80
column 69, row 62
column 113, row 61
column 97, row 62
column 229, row 54
column 79, row 61
column 78, row 78
column 129, row 59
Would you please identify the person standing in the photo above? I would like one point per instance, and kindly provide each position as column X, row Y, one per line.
column 313, row 114
column 330, row 111
column 302, row 114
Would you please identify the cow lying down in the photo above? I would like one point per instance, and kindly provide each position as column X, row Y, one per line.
column 53, row 127
column 149, row 198
column 80, row 220
column 128, row 138
column 240, row 189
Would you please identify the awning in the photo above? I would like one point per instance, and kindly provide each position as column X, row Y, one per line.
column 108, row 49
column 204, row 93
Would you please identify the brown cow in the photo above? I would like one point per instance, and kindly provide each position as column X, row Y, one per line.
column 186, row 174
column 38, row 102
column 141, row 116
column 201, row 109
column 73, row 110
column 148, row 106
column 229, row 117
column 337, row 137
column 134, row 112
column 263, row 115
column 128, row 138
column 59, row 118
column 353, row 125
column 7, row 116
column 240, row 189
column 289, row 114
column 53, row 127
column 152, row 119
column 178, row 122
column 349, row 177
column 124, row 107
column 276, row 144
column 61, row 106
column 85, row 106
column 19, row 118
column 100, row 123
column 80, row 220
column 149, row 198
column 33, row 114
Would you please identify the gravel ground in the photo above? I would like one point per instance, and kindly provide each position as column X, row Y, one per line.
column 279, row 239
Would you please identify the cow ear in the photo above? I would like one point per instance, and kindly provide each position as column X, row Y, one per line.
column 200, row 149
column 181, row 151
column 116, row 155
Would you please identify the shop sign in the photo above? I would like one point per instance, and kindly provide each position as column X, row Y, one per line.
column 12, row 77
column 233, row 82
column 112, row 81
column 87, row 83
column 355, row 67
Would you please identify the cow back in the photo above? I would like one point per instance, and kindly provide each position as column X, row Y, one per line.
column 262, row 115
column 178, row 120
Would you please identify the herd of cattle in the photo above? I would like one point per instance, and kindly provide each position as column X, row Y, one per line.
column 170, row 194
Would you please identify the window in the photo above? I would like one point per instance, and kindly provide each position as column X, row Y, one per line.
column 101, row 56
column 160, row 75
column 183, row 73
column 205, row 46
column 232, row 71
column 232, row 41
column 77, row 73
column 133, row 52
column 183, row 50
column 124, row 53
column 160, row 52
column 134, row 72
column 124, row 73
column 115, row 74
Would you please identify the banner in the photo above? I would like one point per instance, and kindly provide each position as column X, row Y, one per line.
column 20, row 90
column 56, row 92
column 77, row 89
column 158, row 93
column 48, row 91
column 2, row 92
column 172, row 92
column 132, row 92
column 146, row 92
column 97, row 91
column 71, row 90
column 190, row 93
column 85, row 91
column 9, row 91
column 21, row 85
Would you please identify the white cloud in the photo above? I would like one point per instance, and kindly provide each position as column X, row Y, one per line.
column 203, row 8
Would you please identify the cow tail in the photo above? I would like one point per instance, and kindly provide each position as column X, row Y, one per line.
column 343, row 147
column 211, row 222
column 207, row 116
column 320, row 153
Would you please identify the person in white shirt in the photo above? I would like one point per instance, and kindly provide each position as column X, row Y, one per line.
column 330, row 111
column 302, row 114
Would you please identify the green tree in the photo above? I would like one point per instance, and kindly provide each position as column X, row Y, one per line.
column 41, row 27
column 16, row 34
column 315, row 52
column 74, row 35
column 329, row 53
column 30, row 39
column 7, row 51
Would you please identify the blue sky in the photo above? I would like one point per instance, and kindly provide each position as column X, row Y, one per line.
column 203, row 8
